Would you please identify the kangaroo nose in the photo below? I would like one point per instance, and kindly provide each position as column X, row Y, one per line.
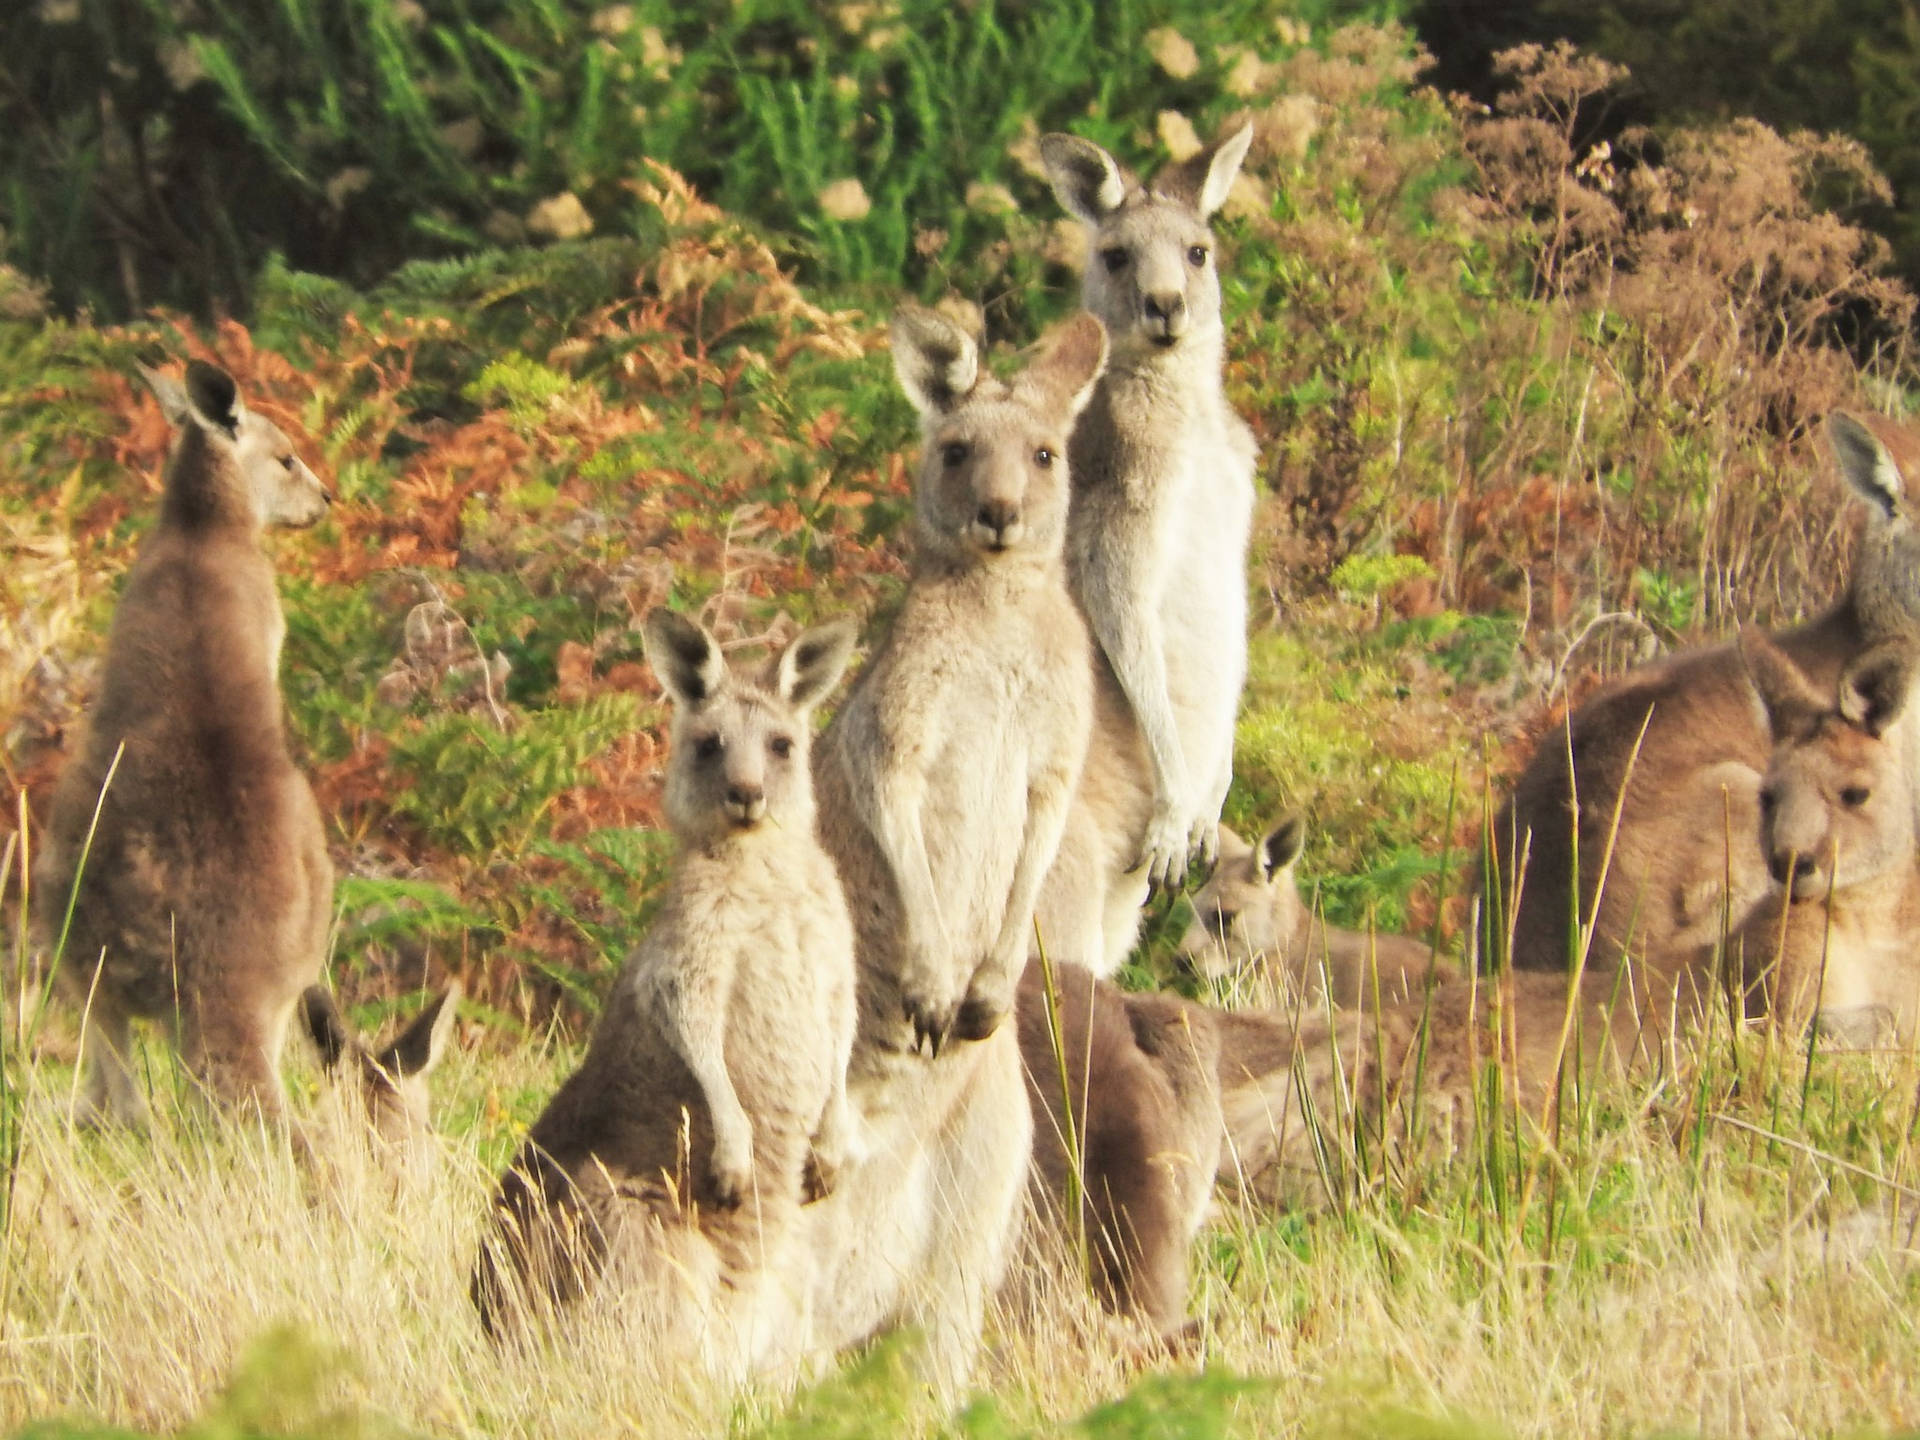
column 998, row 515
column 746, row 801
column 1788, row 868
column 1168, row 305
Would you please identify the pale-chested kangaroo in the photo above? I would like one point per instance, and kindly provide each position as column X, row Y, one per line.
column 1133, row 1084
column 206, row 889
column 391, row 1077
column 712, row 1102
column 944, row 781
column 1687, row 820
column 1162, row 509
column 1838, row 830
column 1250, row 912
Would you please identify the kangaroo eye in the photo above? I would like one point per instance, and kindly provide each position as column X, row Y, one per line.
column 952, row 453
column 781, row 745
column 1854, row 796
column 708, row 747
column 1115, row 259
column 1043, row 457
column 287, row 460
column 1224, row 920
column 1196, row 255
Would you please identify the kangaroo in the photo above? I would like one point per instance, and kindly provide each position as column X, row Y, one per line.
column 392, row 1078
column 1140, row 1072
column 205, row 893
column 1250, row 910
column 1156, row 544
column 712, row 1102
column 944, row 780
column 1834, row 940
column 1688, row 730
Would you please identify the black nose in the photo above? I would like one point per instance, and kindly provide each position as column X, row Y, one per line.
column 997, row 515
column 1169, row 306
column 745, row 796
column 1777, row 863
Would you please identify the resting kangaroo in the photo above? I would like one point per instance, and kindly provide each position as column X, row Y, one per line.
column 944, row 781
column 1156, row 548
column 712, row 1101
column 1250, row 910
column 392, row 1078
column 1838, row 831
column 1697, row 773
column 206, row 891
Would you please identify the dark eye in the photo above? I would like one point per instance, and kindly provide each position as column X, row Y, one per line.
column 1854, row 796
column 708, row 746
column 1224, row 921
column 781, row 745
column 287, row 460
column 952, row 453
column 1114, row 259
column 1196, row 255
column 1043, row 457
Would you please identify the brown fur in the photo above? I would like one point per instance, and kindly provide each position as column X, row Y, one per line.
column 391, row 1077
column 207, row 891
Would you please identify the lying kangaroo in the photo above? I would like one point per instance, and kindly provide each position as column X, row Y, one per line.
column 1839, row 834
column 1686, row 820
column 712, row 1101
column 1138, row 1072
column 1250, row 910
column 1157, row 542
column 944, row 781
column 392, row 1078
column 205, row 893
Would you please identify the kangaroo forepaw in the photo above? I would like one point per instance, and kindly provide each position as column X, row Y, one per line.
column 819, row 1177
column 932, row 1023
column 985, row 1006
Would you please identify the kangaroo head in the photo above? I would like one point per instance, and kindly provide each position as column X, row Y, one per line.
column 1879, row 459
column 1150, row 270
column 741, row 738
column 1250, row 905
column 230, row 464
column 993, row 467
column 1836, row 806
column 392, row 1077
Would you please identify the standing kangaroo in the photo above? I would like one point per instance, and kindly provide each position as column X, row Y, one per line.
column 1835, row 940
column 712, row 1101
column 1250, row 910
column 1687, row 820
column 203, row 897
column 944, row 781
column 1157, row 541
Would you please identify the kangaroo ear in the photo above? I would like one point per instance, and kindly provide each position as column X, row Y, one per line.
column 1282, row 846
column 1793, row 706
column 171, row 394
column 1874, row 686
column 216, row 399
column 684, row 656
column 1074, row 357
column 1203, row 180
column 1865, row 463
column 1087, row 181
column 325, row 1025
column 813, row 663
column 936, row 360
column 418, row 1048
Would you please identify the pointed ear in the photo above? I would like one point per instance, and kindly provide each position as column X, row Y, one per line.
column 813, row 663
column 1865, row 463
column 684, row 656
column 1874, row 686
column 418, row 1048
column 216, row 399
column 1282, row 846
column 1071, row 362
column 1087, row 181
column 328, row 1029
column 935, row 359
column 169, row 392
column 1203, row 180
column 1793, row 706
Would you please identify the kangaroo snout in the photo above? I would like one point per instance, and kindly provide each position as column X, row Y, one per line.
column 1166, row 310
column 997, row 523
column 1791, row 870
column 746, row 802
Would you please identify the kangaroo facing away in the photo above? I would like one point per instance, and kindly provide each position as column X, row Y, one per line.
column 1162, row 509
column 206, row 890
column 944, row 781
column 712, row 1101
column 1835, row 939
column 1688, row 730
column 1250, row 912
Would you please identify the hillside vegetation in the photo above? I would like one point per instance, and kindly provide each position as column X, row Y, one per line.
column 1528, row 412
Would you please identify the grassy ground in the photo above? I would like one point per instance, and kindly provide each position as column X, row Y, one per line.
column 1526, row 415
